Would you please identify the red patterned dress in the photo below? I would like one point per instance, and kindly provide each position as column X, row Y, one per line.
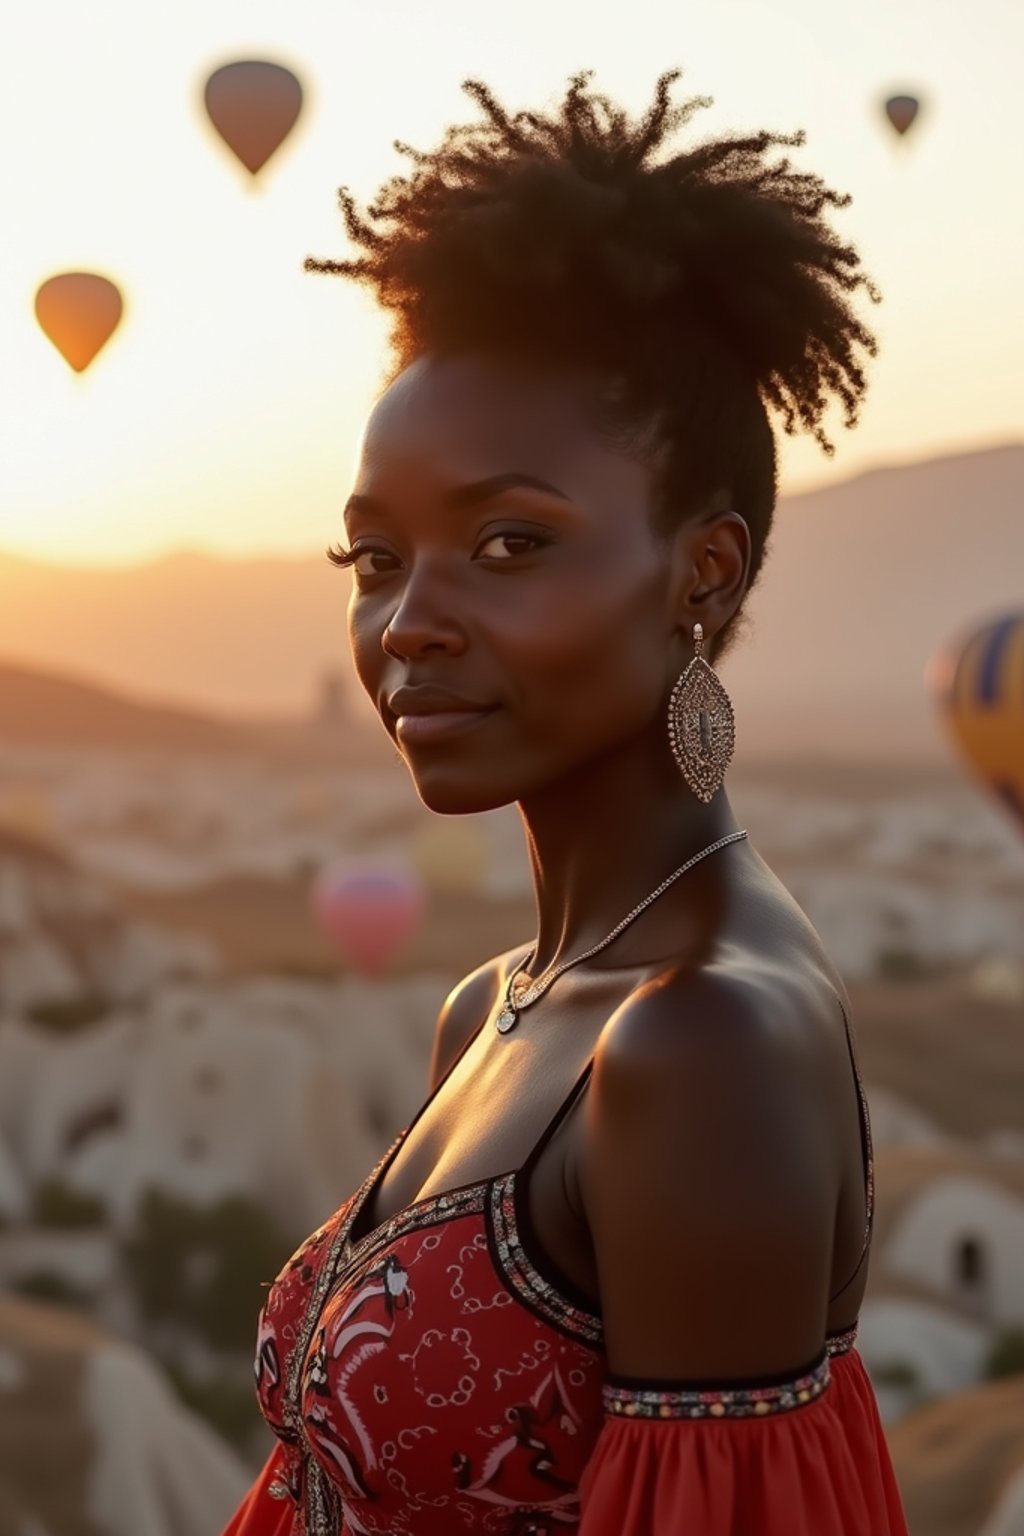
column 437, row 1375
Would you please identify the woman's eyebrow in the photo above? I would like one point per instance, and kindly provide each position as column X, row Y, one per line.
column 463, row 496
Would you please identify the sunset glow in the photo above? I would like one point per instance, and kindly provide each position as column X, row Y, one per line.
column 224, row 411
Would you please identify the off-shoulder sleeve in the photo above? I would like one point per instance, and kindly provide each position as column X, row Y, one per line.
column 768, row 1461
column 269, row 1508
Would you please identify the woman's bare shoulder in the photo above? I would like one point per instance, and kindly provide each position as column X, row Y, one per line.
column 767, row 992
column 718, row 1009
column 709, row 1151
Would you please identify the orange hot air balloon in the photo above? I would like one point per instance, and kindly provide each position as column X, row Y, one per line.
column 78, row 311
column 253, row 105
column 901, row 112
column 977, row 681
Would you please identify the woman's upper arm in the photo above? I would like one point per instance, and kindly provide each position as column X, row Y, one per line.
column 710, row 1182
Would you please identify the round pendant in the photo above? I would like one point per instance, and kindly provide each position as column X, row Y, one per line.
column 507, row 1019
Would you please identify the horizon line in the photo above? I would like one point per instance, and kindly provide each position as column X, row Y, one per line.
column 211, row 554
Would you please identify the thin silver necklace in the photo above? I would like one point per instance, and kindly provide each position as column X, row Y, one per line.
column 522, row 990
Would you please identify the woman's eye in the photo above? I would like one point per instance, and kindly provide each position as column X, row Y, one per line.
column 504, row 546
column 373, row 562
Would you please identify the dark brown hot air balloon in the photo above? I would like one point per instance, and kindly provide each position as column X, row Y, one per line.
column 78, row 311
column 901, row 112
column 253, row 105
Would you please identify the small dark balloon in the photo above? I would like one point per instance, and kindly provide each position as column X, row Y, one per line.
column 254, row 105
column 79, row 312
column 901, row 112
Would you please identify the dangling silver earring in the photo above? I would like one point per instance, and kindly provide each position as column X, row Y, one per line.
column 701, row 724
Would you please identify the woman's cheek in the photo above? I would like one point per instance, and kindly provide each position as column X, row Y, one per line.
column 364, row 644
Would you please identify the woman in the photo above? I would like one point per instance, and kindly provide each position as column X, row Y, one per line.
column 608, row 1280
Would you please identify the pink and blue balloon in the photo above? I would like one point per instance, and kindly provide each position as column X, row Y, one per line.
column 369, row 912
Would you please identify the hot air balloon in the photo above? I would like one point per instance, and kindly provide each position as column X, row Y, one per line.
column 253, row 105
column 978, row 683
column 368, row 911
column 450, row 854
column 901, row 112
column 79, row 311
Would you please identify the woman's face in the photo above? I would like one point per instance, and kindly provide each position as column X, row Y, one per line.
column 511, row 614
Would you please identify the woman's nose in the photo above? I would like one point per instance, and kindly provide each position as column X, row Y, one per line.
column 423, row 621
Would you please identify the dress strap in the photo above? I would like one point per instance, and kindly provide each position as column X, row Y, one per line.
column 867, row 1153
column 556, row 1119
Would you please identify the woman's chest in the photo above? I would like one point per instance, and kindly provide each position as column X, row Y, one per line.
column 433, row 1357
column 509, row 1105
column 444, row 1369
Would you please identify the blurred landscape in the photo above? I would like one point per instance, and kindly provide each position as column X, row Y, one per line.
column 192, row 1077
column 227, row 923
column 861, row 581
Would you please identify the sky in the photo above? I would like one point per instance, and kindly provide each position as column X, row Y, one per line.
column 225, row 412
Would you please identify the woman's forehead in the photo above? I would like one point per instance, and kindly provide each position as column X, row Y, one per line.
column 463, row 418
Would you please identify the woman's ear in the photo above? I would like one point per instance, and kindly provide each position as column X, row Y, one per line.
column 710, row 562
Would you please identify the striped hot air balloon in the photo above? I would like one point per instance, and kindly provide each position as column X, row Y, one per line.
column 977, row 680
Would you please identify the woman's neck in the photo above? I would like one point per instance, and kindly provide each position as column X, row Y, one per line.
column 603, row 838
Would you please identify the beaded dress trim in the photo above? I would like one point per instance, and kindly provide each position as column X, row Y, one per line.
column 839, row 1343
column 522, row 1276
column 640, row 1402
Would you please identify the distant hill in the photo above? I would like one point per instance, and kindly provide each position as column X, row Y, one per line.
column 43, row 709
column 241, row 637
column 39, row 709
column 863, row 580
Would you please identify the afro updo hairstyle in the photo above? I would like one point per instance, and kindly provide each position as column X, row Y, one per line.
column 701, row 288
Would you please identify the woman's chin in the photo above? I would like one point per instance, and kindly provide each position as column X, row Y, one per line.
column 450, row 795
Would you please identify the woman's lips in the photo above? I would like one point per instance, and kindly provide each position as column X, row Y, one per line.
column 438, row 725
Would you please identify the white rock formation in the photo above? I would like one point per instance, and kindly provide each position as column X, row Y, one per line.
column 93, row 1436
column 284, row 1091
column 157, row 1468
column 923, row 1242
column 1007, row 1519
column 61, row 937
column 946, row 1352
